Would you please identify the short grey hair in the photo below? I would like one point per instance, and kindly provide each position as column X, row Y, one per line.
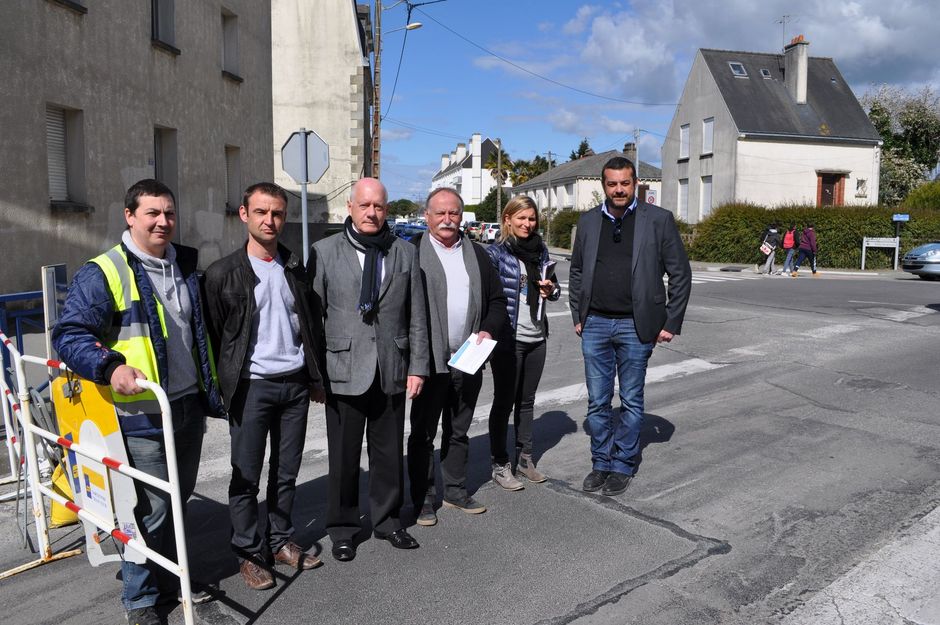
column 427, row 202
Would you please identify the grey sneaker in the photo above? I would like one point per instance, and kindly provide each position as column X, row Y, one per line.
column 427, row 516
column 468, row 504
column 526, row 468
column 143, row 616
column 502, row 475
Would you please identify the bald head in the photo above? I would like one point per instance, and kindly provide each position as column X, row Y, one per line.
column 368, row 205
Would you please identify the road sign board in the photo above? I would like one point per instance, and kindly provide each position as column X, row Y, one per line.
column 317, row 157
column 901, row 217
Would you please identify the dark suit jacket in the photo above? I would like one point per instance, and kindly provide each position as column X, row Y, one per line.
column 657, row 250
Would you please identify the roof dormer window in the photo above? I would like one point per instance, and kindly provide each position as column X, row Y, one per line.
column 765, row 73
column 737, row 68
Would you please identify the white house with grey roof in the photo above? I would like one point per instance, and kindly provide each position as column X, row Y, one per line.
column 577, row 184
column 464, row 170
column 771, row 129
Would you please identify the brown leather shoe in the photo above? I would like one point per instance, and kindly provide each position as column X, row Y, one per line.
column 293, row 556
column 256, row 576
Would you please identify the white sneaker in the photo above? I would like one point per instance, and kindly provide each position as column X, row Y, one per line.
column 502, row 475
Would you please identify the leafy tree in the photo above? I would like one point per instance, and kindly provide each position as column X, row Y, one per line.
column 925, row 196
column 524, row 170
column 402, row 208
column 584, row 149
column 504, row 168
column 486, row 210
column 909, row 126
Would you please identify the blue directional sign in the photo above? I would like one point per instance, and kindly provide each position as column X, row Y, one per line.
column 900, row 217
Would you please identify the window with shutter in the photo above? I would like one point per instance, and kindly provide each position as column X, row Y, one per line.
column 56, row 154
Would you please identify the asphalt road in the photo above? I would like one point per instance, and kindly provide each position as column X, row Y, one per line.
column 789, row 475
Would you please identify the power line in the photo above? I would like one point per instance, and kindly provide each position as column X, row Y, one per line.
column 397, row 72
column 430, row 131
column 537, row 75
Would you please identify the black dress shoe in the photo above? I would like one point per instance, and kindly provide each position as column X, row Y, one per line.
column 616, row 483
column 595, row 480
column 399, row 539
column 344, row 550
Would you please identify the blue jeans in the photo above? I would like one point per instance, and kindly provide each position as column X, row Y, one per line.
column 611, row 346
column 143, row 583
column 788, row 263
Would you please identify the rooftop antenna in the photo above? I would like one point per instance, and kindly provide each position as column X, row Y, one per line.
column 783, row 21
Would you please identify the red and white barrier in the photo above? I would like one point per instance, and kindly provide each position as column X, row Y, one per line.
column 21, row 410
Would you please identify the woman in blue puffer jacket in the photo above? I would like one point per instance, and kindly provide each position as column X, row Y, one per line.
column 528, row 278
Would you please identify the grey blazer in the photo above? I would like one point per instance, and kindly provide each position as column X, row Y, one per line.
column 657, row 250
column 394, row 338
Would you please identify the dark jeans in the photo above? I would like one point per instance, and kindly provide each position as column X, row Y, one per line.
column 517, row 370
column 382, row 418
column 454, row 395
column 612, row 348
column 805, row 254
column 143, row 582
column 263, row 408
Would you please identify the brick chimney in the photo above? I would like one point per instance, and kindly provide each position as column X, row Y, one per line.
column 796, row 62
column 629, row 151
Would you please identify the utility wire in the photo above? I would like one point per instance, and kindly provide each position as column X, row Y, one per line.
column 397, row 72
column 430, row 131
column 537, row 75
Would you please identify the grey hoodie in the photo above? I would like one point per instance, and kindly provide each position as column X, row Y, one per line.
column 170, row 288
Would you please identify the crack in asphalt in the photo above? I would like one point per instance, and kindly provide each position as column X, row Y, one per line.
column 704, row 547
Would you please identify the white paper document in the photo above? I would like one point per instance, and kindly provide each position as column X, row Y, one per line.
column 470, row 357
column 547, row 270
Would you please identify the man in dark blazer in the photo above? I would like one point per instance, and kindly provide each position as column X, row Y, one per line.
column 620, row 310
column 369, row 287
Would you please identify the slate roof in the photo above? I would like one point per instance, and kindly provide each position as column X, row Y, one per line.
column 760, row 105
column 587, row 167
column 487, row 147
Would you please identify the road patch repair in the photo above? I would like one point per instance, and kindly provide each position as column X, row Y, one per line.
column 548, row 554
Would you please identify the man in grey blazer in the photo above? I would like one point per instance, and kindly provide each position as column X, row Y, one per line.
column 620, row 309
column 369, row 285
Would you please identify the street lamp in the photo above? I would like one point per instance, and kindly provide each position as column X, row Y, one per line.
column 377, row 72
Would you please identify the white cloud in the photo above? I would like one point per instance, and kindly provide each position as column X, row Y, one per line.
column 396, row 134
column 617, row 126
column 578, row 23
column 568, row 121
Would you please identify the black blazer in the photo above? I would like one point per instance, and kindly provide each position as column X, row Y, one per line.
column 657, row 250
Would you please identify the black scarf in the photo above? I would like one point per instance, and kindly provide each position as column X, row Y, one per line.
column 529, row 251
column 375, row 247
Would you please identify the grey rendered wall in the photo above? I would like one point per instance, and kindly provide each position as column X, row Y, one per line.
column 104, row 64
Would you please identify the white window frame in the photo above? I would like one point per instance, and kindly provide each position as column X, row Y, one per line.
column 708, row 135
column 684, row 141
column 65, row 150
column 683, row 200
column 737, row 69
column 705, row 197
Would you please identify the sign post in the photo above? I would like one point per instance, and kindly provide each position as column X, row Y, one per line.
column 305, row 157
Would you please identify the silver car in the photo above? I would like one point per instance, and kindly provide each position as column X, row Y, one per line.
column 923, row 261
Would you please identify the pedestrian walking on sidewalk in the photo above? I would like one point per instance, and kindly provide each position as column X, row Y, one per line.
column 528, row 280
column 808, row 249
column 463, row 297
column 791, row 241
column 621, row 310
column 771, row 240
column 260, row 312
column 135, row 312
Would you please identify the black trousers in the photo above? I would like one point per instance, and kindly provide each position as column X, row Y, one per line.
column 517, row 370
column 453, row 395
column 382, row 418
column 275, row 408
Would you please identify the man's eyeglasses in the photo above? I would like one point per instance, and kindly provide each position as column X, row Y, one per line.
column 618, row 229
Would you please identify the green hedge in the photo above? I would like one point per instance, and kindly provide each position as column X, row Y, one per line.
column 562, row 223
column 732, row 233
column 925, row 196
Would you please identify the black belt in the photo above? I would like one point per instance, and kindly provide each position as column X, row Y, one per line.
column 300, row 377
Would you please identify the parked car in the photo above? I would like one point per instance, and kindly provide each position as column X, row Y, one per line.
column 473, row 230
column 923, row 261
column 489, row 233
column 407, row 231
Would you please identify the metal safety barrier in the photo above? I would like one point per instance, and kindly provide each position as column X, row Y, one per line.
column 21, row 409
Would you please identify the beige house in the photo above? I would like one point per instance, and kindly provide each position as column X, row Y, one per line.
column 321, row 81
column 771, row 129
column 97, row 95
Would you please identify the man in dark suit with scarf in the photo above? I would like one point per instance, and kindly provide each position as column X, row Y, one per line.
column 369, row 285
column 620, row 310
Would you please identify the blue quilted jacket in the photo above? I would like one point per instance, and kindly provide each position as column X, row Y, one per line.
column 507, row 265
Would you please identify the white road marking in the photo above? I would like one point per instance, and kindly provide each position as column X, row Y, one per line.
column 898, row 315
column 826, row 332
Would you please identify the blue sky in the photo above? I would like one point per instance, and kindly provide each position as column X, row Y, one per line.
column 633, row 57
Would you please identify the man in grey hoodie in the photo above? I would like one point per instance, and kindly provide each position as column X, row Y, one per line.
column 134, row 312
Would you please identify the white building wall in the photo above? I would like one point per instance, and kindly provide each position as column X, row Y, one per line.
column 775, row 174
column 321, row 81
column 103, row 63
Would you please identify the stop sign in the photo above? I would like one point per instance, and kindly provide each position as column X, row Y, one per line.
column 317, row 156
